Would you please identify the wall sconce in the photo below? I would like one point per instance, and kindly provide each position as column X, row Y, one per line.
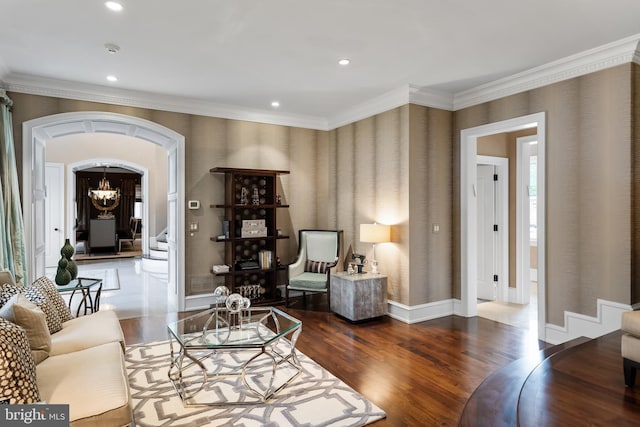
column 375, row 233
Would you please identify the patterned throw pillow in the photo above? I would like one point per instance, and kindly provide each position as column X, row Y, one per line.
column 17, row 368
column 48, row 288
column 39, row 298
column 316, row 266
column 7, row 290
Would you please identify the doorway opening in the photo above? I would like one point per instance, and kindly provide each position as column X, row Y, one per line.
column 36, row 134
column 469, row 214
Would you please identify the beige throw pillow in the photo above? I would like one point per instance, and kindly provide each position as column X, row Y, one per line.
column 26, row 314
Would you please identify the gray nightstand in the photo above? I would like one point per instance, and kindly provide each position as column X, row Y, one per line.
column 359, row 296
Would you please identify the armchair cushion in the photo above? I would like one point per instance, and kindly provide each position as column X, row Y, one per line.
column 309, row 281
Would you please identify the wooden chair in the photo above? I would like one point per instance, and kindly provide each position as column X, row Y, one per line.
column 318, row 252
column 131, row 234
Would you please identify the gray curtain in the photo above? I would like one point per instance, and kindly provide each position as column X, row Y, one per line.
column 12, row 246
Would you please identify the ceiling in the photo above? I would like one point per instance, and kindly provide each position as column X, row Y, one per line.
column 221, row 56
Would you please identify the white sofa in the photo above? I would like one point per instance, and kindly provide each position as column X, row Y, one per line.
column 77, row 361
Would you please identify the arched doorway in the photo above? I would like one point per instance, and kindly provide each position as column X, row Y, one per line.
column 111, row 162
column 36, row 132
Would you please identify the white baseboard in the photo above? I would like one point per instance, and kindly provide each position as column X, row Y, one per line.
column 198, row 302
column 204, row 301
column 514, row 297
column 422, row 312
column 608, row 319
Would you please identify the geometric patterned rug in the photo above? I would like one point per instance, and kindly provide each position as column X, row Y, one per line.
column 314, row 398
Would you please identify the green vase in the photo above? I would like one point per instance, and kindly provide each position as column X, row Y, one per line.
column 72, row 268
column 63, row 277
column 67, row 250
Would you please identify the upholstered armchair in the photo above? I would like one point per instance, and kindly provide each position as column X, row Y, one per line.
column 318, row 252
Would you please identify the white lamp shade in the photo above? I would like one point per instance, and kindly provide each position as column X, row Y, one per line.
column 375, row 233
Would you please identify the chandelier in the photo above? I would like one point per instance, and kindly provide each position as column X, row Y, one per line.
column 104, row 198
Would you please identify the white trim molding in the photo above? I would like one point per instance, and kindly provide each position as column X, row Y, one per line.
column 422, row 312
column 385, row 102
column 95, row 93
column 596, row 59
column 198, row 302
column 608, row 319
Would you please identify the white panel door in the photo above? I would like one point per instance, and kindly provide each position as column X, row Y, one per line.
column 54, row 212
column 173, row 195
column 38, row 207
column 487, row 289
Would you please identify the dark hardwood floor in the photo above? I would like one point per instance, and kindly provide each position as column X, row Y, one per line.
column 423, row 374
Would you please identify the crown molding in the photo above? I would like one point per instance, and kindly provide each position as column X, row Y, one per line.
column 600, row 58
column 430, row 98
column 385, row 102
column 596, row 59
column 397, row 97
column 85, row 92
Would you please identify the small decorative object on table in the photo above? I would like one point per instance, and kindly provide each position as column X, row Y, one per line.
column 359, row 261
column 63, row 276
column 220, row 294
column 67, row 252
column 350, row 269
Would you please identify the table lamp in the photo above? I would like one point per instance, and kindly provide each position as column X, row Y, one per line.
column 374, row 233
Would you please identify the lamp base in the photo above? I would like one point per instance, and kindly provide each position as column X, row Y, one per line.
column 374, row 267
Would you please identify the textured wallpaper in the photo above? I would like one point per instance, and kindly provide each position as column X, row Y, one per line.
column 402, row 167
column 588, row 185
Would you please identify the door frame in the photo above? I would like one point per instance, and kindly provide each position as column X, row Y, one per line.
column 523, row 241
column 34, row 136
column 502, row 219
column 468, row 210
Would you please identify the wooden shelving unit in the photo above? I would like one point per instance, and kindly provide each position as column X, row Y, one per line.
column 250, row 195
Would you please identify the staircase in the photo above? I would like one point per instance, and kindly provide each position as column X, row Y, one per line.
column 156, row 261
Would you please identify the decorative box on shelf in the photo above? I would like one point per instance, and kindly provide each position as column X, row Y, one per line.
column 220, row 268
column 253, row 228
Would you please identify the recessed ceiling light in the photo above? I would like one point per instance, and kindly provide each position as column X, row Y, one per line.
column 275, row 104
column 112, row 78
column 344, row 61
column 114, row 5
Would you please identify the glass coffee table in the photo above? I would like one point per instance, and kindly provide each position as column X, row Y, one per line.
column 83, row 286
column 233, row 357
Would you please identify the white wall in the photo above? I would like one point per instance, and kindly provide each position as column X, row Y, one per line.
column 75, row 148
